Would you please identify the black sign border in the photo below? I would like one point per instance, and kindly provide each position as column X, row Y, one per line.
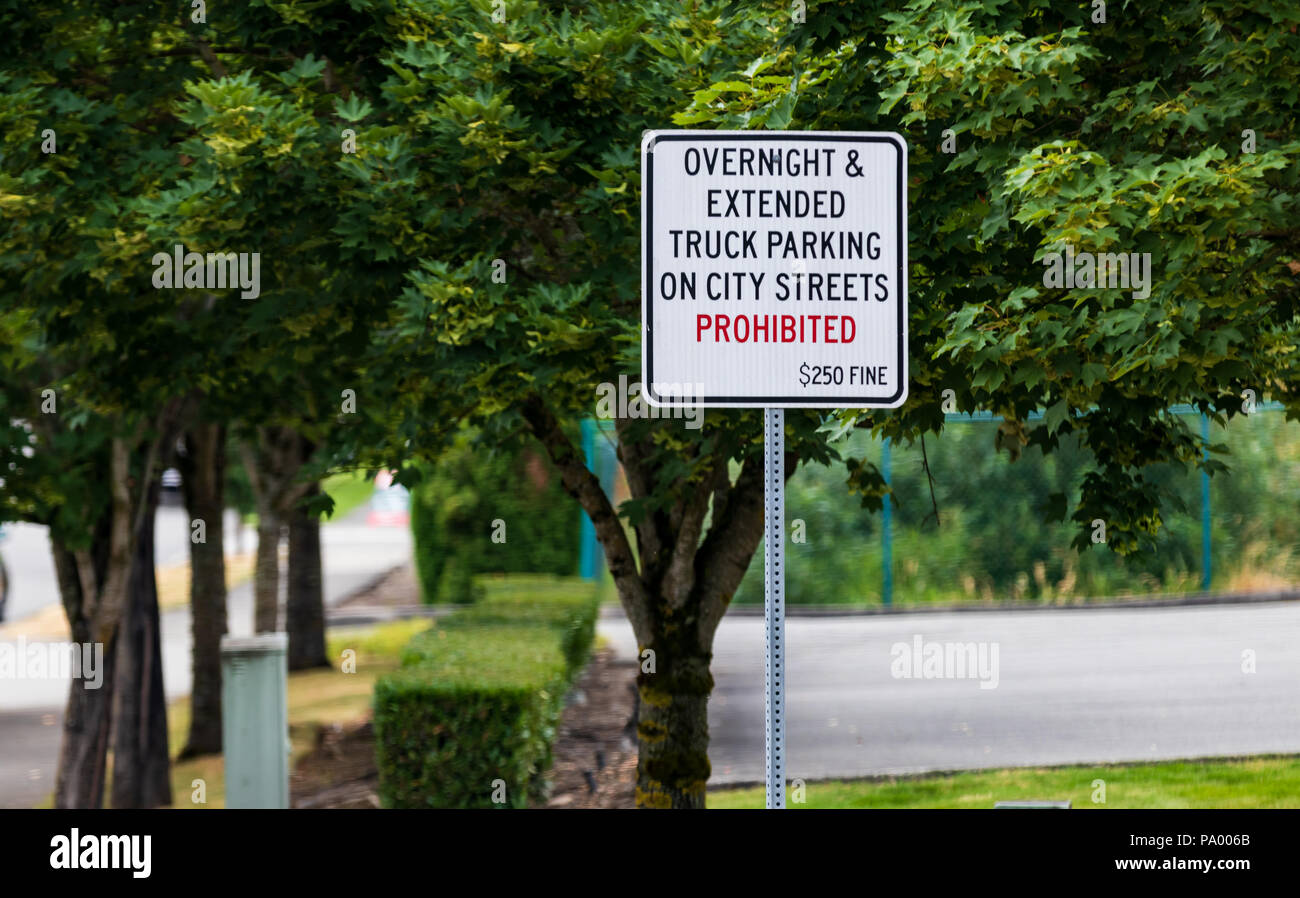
column 647, row 323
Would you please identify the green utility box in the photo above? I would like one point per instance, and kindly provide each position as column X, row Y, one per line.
column 255, row 720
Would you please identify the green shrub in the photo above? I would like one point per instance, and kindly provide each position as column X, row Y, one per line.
column 565, row 607
column 455, row 507
column 457, row 584
column 469, row 707
column 479, row 696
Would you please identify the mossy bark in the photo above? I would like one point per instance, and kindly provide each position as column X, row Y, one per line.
column 673, row 731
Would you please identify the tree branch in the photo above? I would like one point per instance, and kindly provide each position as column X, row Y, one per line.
column 651, row 538
column 680, row 577
column 733, row 537
column 206, row 52
column 584, row 486
column 112, row 595
column 929, row 476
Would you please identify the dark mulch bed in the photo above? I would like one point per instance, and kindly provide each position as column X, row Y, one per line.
column 339, row 772
column 595, row 751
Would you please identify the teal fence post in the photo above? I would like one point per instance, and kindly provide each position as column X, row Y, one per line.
column 589, row 548
column 1206, row 564
column 887, row 535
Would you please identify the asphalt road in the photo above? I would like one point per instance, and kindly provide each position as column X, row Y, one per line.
column 1086, row 686
column 26, row 551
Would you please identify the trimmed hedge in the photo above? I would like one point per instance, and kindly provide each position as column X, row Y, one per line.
column 453, row 510
column 545, row 602
column 479, row 696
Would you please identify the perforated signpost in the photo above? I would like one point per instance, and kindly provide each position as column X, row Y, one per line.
column 774, row 274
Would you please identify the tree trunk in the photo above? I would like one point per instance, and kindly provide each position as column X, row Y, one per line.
column 83, row 755
column 88, row 583
column 266, row 577
column 673, row 729
column 141, row 762
column 95, row 586
column 305, row 609
column 674, row 588
column 86, row 720
column 203, row 471
column 272, row 461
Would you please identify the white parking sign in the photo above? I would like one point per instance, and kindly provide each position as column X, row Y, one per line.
column 774, row 268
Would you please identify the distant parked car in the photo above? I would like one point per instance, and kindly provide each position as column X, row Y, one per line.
column 171, row 489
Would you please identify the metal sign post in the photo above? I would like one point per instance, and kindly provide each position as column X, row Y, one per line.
column 774, row 600
column 774, row 276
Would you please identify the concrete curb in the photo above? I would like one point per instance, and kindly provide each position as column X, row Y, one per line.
column 368, row 585
column 940, row 773
column 1253, row 598
column 375, row 614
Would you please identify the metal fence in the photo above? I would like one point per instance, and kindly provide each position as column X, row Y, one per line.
column 982, row 537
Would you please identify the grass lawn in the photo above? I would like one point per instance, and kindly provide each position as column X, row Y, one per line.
column 349, row 490
column 1264, row 782
column 316, row 697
